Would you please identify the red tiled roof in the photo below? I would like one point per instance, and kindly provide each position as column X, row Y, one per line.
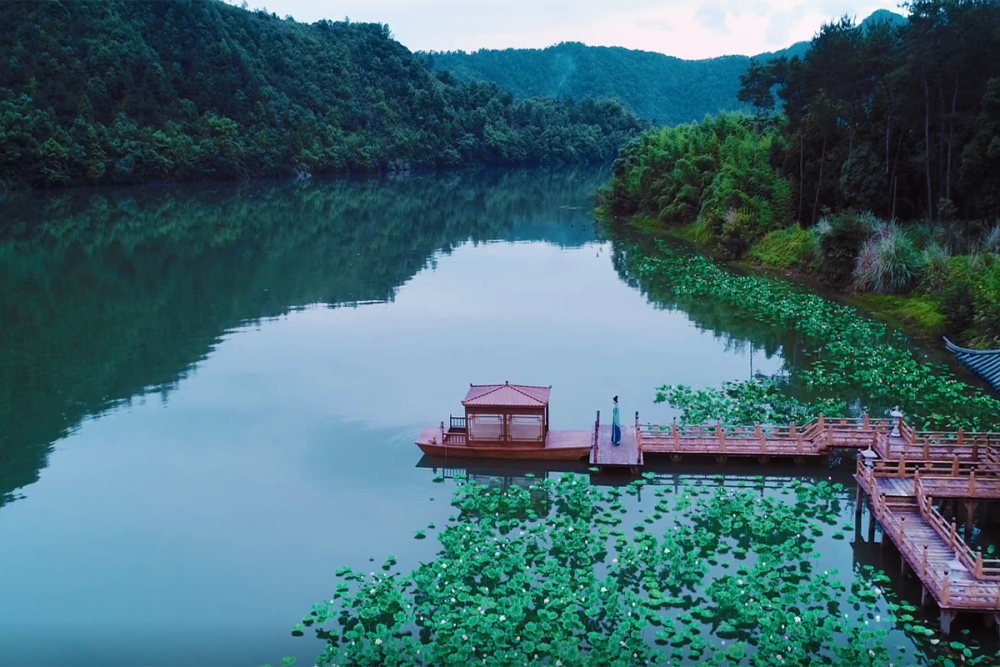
column 507, row 395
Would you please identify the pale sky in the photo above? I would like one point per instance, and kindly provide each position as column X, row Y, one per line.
column 689, row 29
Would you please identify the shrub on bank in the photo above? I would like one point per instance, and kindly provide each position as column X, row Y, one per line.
column 790, row 248
column 889, row 262
column 838, row 242
column 935, row 267
column 970, row 298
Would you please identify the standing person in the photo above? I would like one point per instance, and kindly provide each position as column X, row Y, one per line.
column 616, row 427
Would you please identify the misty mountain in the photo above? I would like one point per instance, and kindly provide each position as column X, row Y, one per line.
column 658, row 87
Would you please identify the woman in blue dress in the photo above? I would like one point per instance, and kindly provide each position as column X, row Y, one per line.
column 616, row 427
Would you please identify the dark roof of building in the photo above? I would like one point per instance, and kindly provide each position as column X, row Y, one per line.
column 984, row 363
column 507, row 395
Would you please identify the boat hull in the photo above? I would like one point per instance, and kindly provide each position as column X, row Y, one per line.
column 558, row 446
column 522, row 453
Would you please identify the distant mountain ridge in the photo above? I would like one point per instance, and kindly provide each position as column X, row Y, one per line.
column 658, row 87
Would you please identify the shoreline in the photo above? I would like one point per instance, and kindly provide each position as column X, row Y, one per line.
column 894, row 311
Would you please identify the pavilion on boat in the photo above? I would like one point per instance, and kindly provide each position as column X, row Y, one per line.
column 505, row 421
column 506, row 412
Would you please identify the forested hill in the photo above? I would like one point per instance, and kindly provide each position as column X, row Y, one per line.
column 660, row 88
column 110, row 91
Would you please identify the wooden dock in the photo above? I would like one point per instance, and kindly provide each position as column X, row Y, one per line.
column 812, row 440
column 627, row 454
column 815, row 439
column 902, row 472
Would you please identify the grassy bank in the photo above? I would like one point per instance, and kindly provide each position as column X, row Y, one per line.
column 918, row 314
column 790, row 254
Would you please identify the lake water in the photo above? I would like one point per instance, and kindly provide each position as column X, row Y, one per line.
column 209, row 395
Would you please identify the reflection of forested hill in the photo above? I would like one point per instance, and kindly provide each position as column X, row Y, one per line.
column 724, row 323
column 119, row 293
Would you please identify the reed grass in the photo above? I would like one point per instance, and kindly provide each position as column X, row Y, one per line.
column 889, row 262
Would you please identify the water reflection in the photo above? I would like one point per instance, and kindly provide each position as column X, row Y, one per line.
column 109, row 295
column 113, row 294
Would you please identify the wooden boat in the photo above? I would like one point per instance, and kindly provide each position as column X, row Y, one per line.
column 505, row 421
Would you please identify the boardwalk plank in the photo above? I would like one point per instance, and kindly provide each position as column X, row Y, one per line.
column 625, row 454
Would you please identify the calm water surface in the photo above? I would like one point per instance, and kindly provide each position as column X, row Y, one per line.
column 209, row 395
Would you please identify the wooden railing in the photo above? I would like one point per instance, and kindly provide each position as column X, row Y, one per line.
column 763, row 439
column 943, row 444
column 971, row 486
column 907, row 432
column 452, row 438
column 903, row 468
column 819, row 435
column 456, row 423
column 815, row 437
column 973, row 560
column 941, row 479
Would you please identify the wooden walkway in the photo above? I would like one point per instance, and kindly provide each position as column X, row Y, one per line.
column 606, row 455
column 958, row 578
column 817, row 438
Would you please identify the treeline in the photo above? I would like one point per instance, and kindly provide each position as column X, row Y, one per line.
column 872, row 162
column 125, row 92
column 900, row 120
